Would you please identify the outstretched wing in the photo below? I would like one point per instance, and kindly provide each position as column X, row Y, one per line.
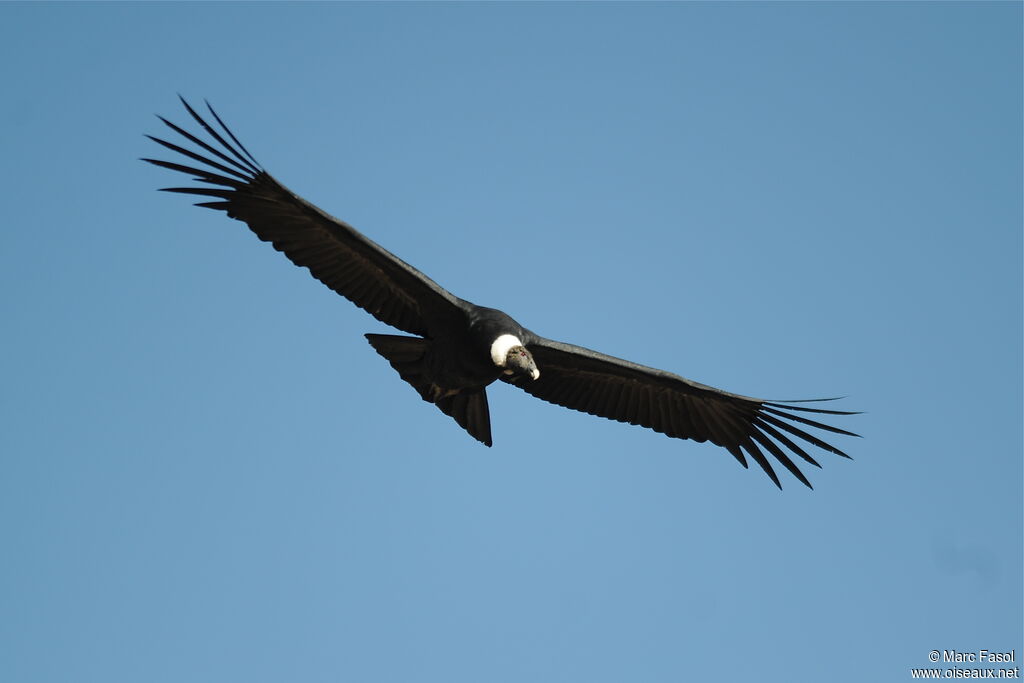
column 336, row 254
column 603, row 385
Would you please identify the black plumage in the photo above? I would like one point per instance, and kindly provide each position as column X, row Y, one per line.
column 461, row 348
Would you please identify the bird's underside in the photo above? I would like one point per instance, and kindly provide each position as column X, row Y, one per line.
column 458, row 348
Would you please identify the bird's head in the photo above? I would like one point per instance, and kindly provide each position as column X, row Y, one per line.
column 509, row 354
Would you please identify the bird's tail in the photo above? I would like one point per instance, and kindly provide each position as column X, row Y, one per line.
column 407, row 355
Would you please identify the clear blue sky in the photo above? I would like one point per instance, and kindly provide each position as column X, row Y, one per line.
column 208, row 475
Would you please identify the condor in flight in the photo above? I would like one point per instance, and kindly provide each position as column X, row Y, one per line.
column 460, row 348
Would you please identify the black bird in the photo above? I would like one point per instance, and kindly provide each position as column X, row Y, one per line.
column 460, row 348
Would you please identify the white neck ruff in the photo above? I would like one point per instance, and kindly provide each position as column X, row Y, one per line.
column 501, row 347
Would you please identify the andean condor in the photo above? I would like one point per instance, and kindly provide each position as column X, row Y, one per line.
column 460, row 348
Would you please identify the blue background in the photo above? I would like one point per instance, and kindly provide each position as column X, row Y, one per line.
column 208, row 475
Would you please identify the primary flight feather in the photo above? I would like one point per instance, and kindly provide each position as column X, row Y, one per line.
column 460, row 348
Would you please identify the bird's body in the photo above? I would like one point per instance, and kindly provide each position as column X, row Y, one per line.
column 459, row 348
